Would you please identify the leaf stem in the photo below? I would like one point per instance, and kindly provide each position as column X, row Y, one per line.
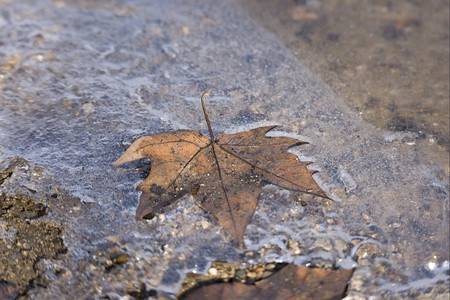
column 219, row 171
column 204, row 96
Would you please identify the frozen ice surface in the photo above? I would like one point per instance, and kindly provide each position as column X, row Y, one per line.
column 81, row 80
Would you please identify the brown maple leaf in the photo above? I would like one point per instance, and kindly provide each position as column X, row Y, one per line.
column 291, row 282
column 225, row 175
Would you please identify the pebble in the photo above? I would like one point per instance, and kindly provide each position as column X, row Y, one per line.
column 205, row 224
column 323, row 243
column 121, row 259
column 212, row 271
column 367, row 252
column 114, row 239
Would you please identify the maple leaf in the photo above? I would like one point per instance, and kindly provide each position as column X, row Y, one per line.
column 291, row 282
column 225, row 175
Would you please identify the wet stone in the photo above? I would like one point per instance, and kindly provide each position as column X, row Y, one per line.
column 22, row 207
column 32, row 242
column 29, row 243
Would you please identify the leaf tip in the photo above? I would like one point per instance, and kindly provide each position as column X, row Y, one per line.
column 119, row 161
column 270, row 127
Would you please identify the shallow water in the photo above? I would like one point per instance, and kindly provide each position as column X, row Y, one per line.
column 389, row 61
column 81, row 80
